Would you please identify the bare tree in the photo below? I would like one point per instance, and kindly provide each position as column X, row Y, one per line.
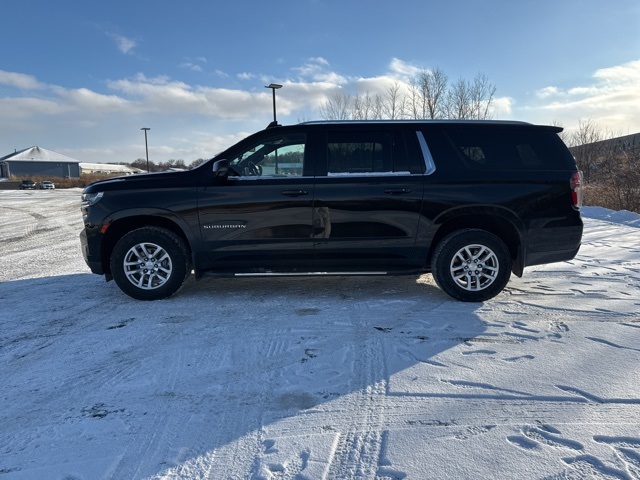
column 459, row 100
column 337, row 107
column 142, row 164
column 393, row 102
column 615, row 178
column 471, row 100
column 584, row 143
column 415, row 101
column 172, row 164
column 621, row 175
column 378, row 108
column 611, row 168
column 481, row 97
column 196, row 163
column 429, row 96
column 564, row 135
column 434, row 85
column 363, row 107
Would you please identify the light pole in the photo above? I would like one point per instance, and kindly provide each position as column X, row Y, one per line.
column 274, row 87
column 146, row 147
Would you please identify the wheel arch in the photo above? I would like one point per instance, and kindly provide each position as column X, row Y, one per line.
column 122, row 223
column 500, row 222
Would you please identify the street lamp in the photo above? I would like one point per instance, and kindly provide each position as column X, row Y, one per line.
column 146, row 147
column 274, row 87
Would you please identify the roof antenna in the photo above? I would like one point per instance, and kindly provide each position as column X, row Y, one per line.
column 273, row 87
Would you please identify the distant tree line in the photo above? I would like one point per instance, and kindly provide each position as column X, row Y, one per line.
column 428, row 95
column 141, row 163
column 611, row 167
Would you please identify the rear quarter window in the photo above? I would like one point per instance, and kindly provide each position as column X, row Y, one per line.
column 505, row 148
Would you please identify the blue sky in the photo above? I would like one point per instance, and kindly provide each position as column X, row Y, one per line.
column 82, row 78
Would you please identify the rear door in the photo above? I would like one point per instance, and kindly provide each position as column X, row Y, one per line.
column 368, row 199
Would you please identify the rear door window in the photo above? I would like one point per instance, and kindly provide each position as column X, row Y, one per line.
column 361, row 153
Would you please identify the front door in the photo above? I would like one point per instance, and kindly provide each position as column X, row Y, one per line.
column 259, row 218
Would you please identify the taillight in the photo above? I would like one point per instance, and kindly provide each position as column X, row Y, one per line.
column 577, row 192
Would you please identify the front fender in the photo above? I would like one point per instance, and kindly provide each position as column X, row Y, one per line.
column 119, row 223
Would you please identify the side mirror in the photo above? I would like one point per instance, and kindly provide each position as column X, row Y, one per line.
column 221, row 168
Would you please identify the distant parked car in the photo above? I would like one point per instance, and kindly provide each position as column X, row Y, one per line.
column 27, row 185
column 47, row 185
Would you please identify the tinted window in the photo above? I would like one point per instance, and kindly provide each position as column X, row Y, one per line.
column 364, row 153
column 279, row 155
column 499, row 149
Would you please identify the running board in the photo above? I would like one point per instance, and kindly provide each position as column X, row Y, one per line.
column 306, row 274
column 268, row 273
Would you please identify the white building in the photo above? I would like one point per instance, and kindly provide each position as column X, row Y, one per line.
column 38, row 161
column 108, row 168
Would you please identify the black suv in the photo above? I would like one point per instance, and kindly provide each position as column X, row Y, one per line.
column 469, row 201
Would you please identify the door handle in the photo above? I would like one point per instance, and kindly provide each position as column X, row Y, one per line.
column 294, row 193
column 396, row 191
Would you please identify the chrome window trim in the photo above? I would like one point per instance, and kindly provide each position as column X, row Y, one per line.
column 429, row 164
column 253, row 178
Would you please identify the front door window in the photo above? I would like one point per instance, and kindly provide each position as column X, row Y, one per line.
column 277, row 156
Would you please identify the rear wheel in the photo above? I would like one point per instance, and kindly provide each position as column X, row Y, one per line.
column 149, row 263
column 471, row 265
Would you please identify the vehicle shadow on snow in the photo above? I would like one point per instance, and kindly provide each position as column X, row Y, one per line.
column 183, row 383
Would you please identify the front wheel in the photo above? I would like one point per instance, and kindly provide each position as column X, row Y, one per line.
column 149, row 263
column 471, row 265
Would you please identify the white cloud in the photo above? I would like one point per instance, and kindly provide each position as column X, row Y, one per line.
column 23, row 108
column 402, row 69
column 124, row 44
column 612, row 99
column 191, row 66
column 316, row 70
column 20, row 80
column 109, row 120
column 548, row 92
column 319, row 60
column 194, row 64
column 627, row 73
column 162, row 95
column 88, row 101
column 502, row 107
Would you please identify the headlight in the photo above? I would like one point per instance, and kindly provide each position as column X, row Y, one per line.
column 89, row 199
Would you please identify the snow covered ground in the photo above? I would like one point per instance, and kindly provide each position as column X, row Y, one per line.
column 310, row 378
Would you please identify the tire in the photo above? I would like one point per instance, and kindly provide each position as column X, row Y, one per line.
column 150, row 263
column 471, row 265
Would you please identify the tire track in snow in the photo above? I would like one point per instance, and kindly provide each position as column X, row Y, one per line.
column 144, row 458
column 358, row 450
column 216, row 452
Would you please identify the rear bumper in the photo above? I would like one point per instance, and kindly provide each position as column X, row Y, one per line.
column 550, row 245
column 539, row 258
